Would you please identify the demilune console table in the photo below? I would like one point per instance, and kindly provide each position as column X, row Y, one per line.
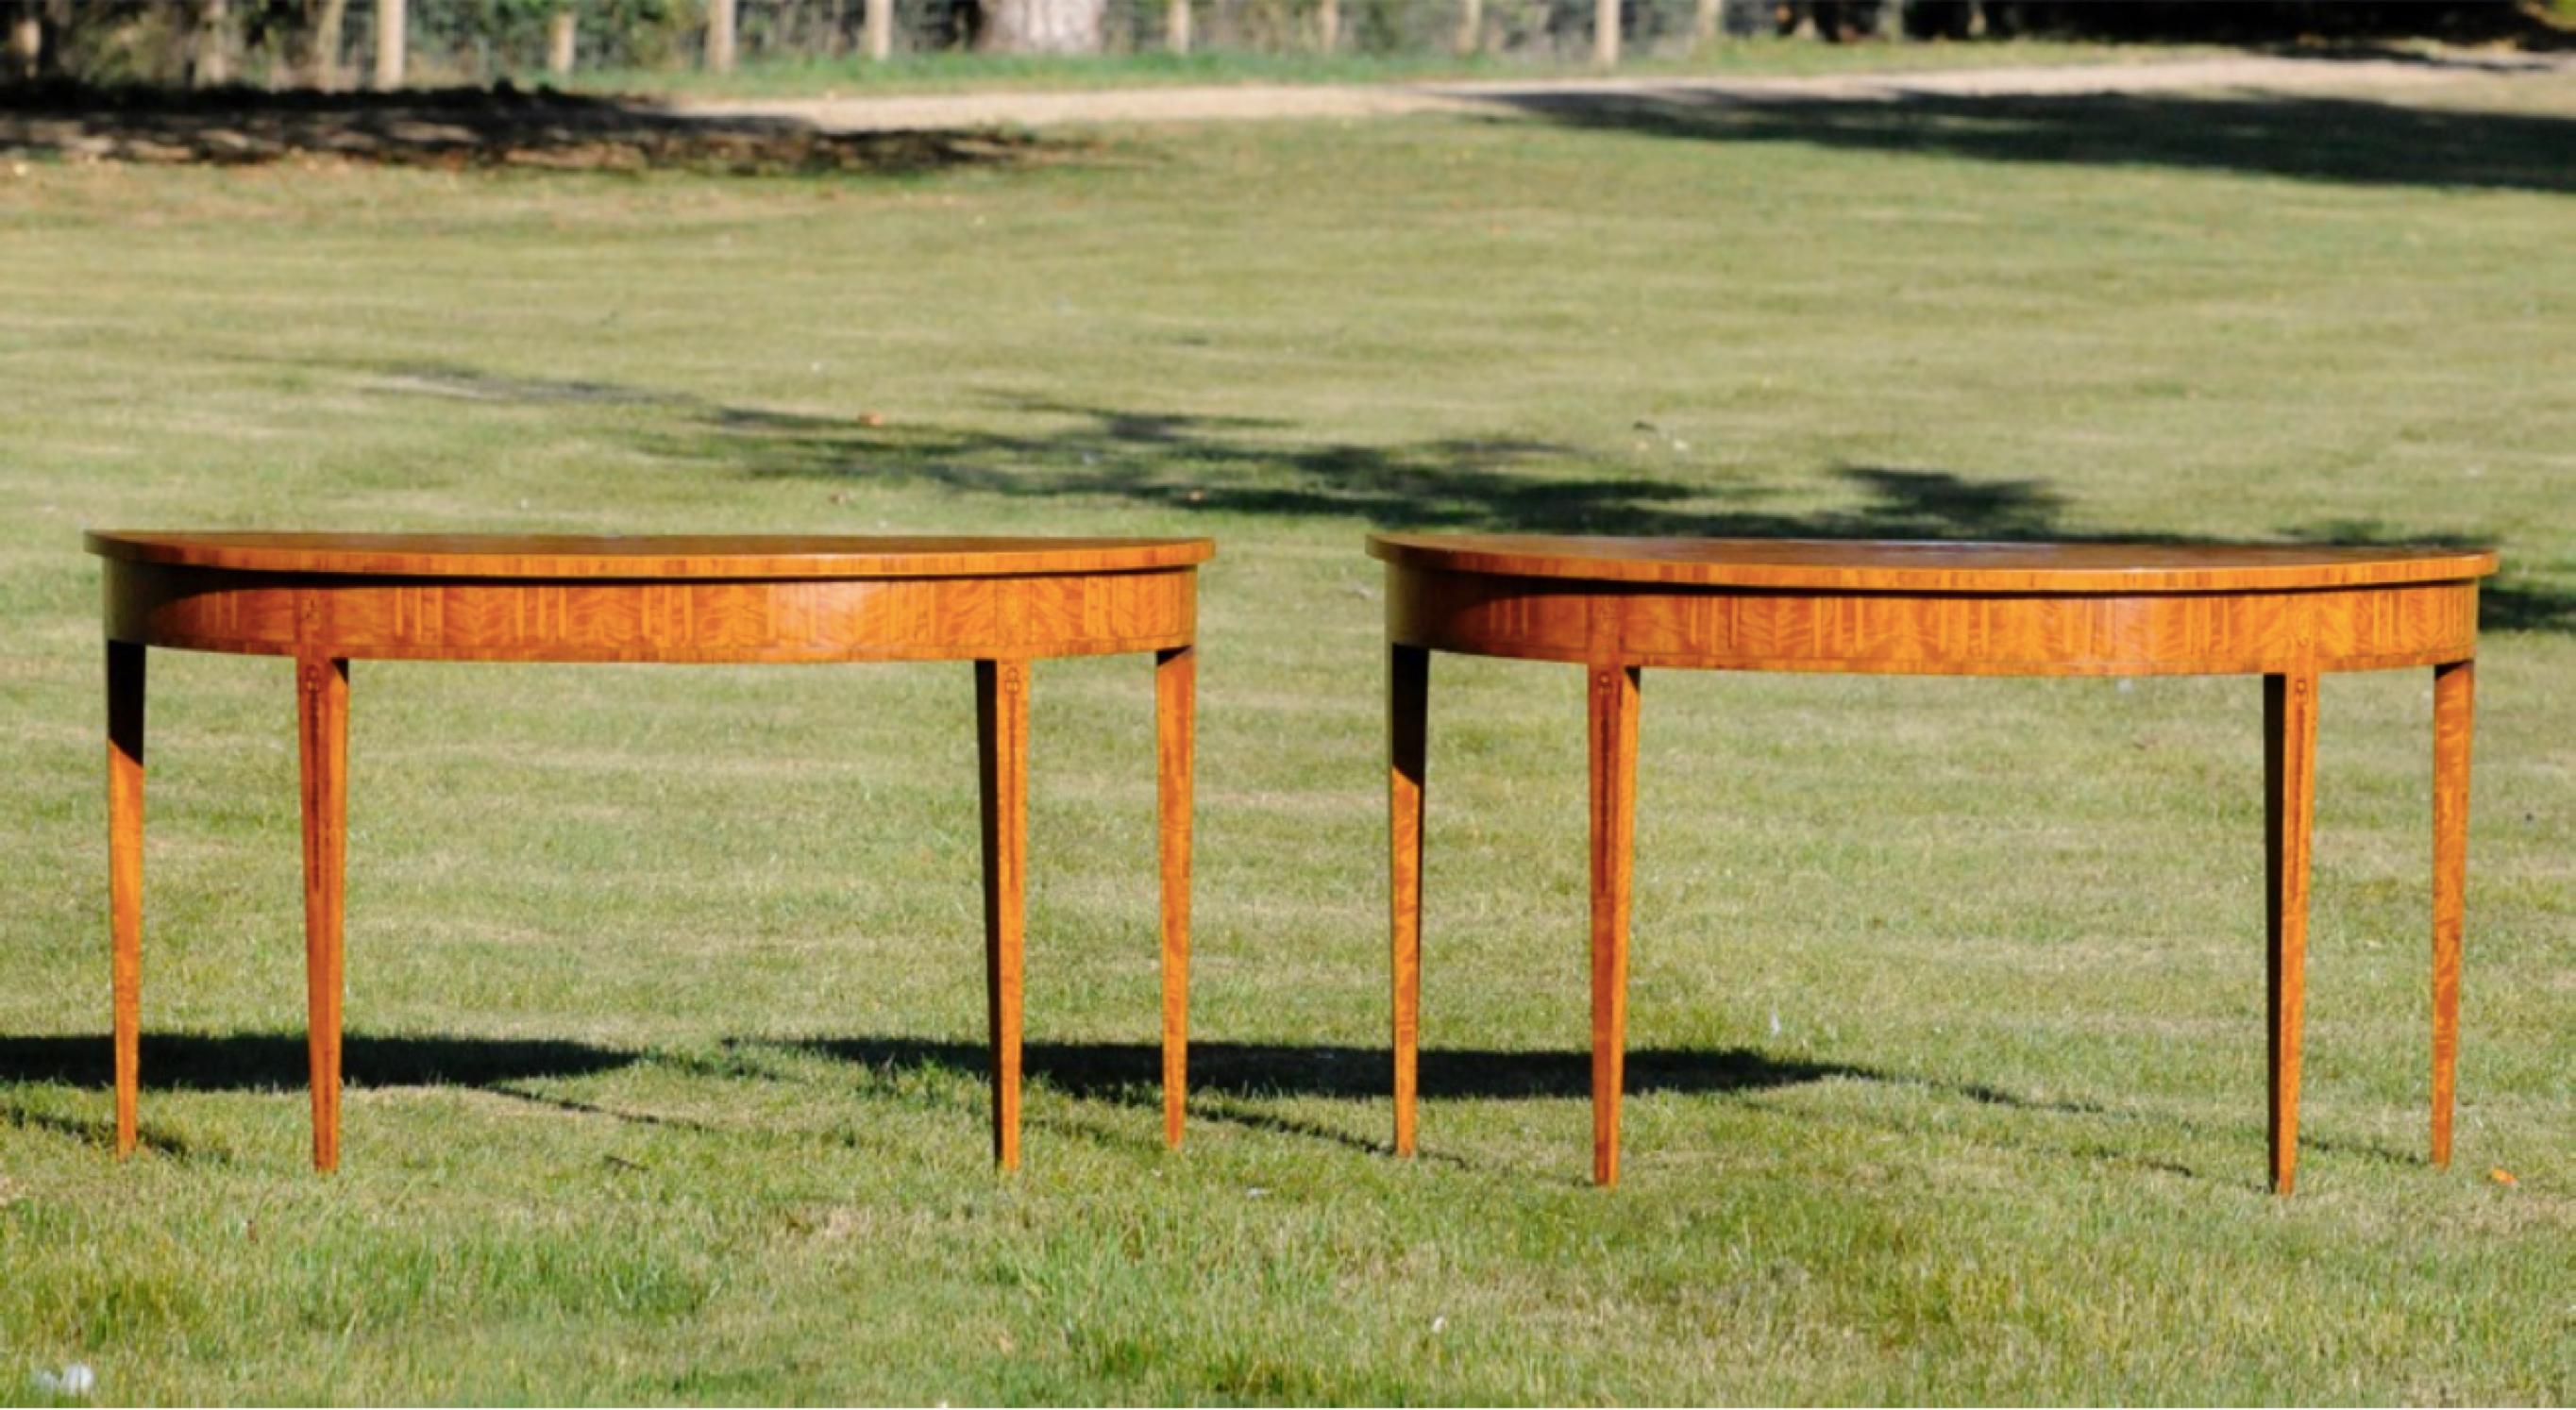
column 1615, row 606
column 326, row 599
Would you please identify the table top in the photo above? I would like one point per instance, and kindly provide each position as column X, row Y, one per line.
column 647, row 556
column 1932, row 567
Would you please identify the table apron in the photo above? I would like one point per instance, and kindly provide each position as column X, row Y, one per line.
column 679, row 620
column 2075, row 634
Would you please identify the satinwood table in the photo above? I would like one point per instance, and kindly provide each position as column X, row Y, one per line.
column 326, row 599
column 1617, row 605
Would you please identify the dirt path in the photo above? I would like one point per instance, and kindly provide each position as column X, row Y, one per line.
column 949, row 111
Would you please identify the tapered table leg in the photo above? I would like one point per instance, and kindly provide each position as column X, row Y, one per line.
column 322, row 735
column 2454, row 697
column 1614, row 831
column 1002, row 733
column 2289, row 772
column 125, row 875
column 1175, row 737
column 1408, row 696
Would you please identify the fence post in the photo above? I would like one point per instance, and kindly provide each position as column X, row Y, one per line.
column 389, row 43
column 1605, row 33
column 720, row 36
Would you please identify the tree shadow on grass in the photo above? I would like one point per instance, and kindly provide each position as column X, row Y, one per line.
column 472, row 127
column 1248, row 465
column 1191, row 463
column 2346, row 140
column 1259, row 466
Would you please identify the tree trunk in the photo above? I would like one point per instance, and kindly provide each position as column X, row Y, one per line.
column 880, row 30
column 1471, row 27
column 1176, row 26
column 1891, row 19
column 1605, row 33
column 720, row 36
column 390, row 24
column 563, row 38
column 212, row 63
column 325, row 24
column 1328, row 25
column 26, row 41
column 1041, row 26
column 1706, row 20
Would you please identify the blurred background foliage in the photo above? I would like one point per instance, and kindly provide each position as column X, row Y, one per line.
column 277, row 43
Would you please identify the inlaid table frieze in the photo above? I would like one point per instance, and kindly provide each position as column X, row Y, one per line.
column 1618, row 605
column 327, row 599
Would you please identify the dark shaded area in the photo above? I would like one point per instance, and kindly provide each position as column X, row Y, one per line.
column 2306, row 138
column 1253, row 465
column 277, row 1062
column 462, row 128
column 1134, row 1071
column 2251, row 21
column 1185, row 462
column 237, row 1062
column 1225, row 1078
column 233, row 1062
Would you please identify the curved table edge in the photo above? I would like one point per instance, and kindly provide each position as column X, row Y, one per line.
column 2408, row 565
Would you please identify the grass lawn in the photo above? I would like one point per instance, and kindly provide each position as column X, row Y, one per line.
column 950, row 70
column 665, row 994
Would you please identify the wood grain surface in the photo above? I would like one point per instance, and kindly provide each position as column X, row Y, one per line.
column 661, row 557
column 322, row 739
column 2454, row 698
column 706, row 620
column 1612, row 748
column 1176, row 693
column 1969, row 634
column 1408, row 697
column 1902, row 566
column 125, row 667
column 2289, row 827
column 1615, row 606
column 326, row 599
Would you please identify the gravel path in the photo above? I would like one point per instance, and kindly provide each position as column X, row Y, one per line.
column 930, row 112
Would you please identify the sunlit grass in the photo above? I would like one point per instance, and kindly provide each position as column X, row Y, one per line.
column 664, row 984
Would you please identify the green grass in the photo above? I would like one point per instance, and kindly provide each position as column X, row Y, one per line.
column 663, row 983
column 943, row 71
